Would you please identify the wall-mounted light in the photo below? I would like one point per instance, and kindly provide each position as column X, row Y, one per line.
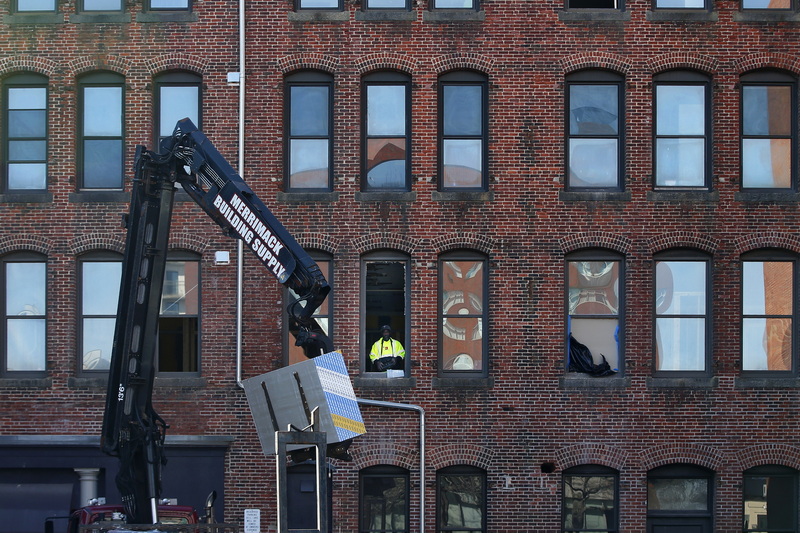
column 222, row 258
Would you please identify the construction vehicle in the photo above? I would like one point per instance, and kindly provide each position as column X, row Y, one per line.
column 132, row 430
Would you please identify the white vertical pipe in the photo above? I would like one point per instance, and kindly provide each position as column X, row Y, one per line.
column 239, row 244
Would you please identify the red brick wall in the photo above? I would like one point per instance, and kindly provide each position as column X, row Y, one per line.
column 530, row 414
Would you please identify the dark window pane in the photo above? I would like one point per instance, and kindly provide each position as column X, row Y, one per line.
column 461, row 501
column 677, row 494
column 593, row 110
column 27, row 123
column 27, row 150
column 384, row 504
column 309, row 111
column 463, row 110
column 770, row 503
column 102, row 164
column 589, row 503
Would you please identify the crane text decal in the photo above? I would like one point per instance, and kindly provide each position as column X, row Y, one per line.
column 253, row 232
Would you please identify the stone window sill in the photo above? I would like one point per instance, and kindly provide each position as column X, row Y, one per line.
column 26, row 197
column 465, row 15
column 766, row 16
column 572, row 381
column 34, row 18
column 386, row 15
column 594, row 196
column 704, row 382
column 100, row 197
column 382, row 382
column 386, row 196
column 100, row 18
column 463, row 382
column 594, row 15
column 767, row 196
column 666, row 15
column 168, row 16
column 26, row 383
column 318, row 15
column 302, row 197
column 664, row 195
column 766, row 382
column 462, row 196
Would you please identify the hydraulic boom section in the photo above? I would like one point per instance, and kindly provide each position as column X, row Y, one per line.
column 132, row 430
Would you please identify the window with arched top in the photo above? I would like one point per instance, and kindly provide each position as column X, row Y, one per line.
column 25, row 102
column 682, row 130
column 590, row 499
column 23, row 282
column 178, row 95
column 463, row 314
column 386, row 144
column 461, row 499
column 770, row 499
column 101, row 97
column 680, row 497
column 384, row 500
column 595, row 296
column 99, row 275
column 308, row 100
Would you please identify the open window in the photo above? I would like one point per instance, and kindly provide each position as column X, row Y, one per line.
column 179, row 321
column 386, row 293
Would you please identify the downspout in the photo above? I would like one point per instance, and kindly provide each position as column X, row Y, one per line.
column 421, row 411
column 239, row 243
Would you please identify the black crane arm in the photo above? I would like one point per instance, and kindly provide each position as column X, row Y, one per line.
column 132, row 430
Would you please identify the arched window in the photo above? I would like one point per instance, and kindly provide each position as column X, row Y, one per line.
column 99, row 276
column 179, row 321
column 680, row 495
column 387, row 131
column 386, row 278
column 595, row 304
column 770, row 499
column 682, row 310
column 384, row 504
column 682, row 130
column 309, row 131
column 24, row 328
column 463, row 125
column 768, row 311
column 463, row 308
column 461, row 499
column 177, row 95
column 101, row 101
column 323, row 315
column 595, row 126
column 25, row 132
column 769, row 130
column 590, row 499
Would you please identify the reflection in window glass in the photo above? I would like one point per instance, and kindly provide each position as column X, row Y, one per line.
column 463, row 286
column 593, row 299
column 590, row 503
column 463, row 143
column 26, row 118
column 767, row 136
column 309, row 135
column 102, row 137
column 767, row 311
column 677, row 494
column 99, row 311
column 179, row 320
column 387, row 140
column 384, row 500
column 770, row 499
column 461, row 500
column 25, row 290
column 680, row 135
column 680, row 315
column 593, row 135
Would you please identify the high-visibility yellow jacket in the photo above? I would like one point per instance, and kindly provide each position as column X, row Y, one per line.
column 390, row 348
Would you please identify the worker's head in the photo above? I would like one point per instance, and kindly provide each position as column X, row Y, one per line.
column 386, row 332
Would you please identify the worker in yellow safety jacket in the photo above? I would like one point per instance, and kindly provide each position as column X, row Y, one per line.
column 387, row 353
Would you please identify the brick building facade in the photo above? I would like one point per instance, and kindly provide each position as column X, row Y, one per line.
column 487, row 177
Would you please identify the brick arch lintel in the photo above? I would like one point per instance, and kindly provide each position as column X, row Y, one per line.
column 462, row 62
column 682, row 239
column 96, row 241
column 385, row 453
column 384, row 61
column 309, row 60
column 587, row 453
column 780, row 61
column 454, row 241
column 683, row 60
column 188, row 241
column 176, row 61
column 25, row 243
column 770, row 239
column 767, row 454
column 595, row 239
column 26, row 63
column 317, row 241
column 385, row 240
column 460, row 454
column 595, row 60
column 84, row 64
column 696, row 454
